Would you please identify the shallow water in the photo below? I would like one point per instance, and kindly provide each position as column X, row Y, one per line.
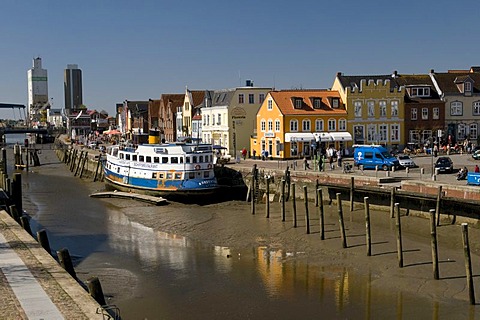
column 152, row 274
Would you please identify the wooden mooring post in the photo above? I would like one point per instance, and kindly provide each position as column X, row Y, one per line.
column 321, row 213
column 398, row 226
column 307, row 217
column 438, row 206
column 42, row 238
column 367, row 226
column 283, row 199
column 392, row 203
column 294, row 206
column 468, row 263
column 267, row 197
column 341, row 222
column 433, row 241
column 66, row 261
column 352, row 191
column 95, row 290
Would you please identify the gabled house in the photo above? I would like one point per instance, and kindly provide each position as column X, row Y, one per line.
column 375, row 107
column 230, row 119
column 298, row 123
column 424, row 110
column 460, row 90
column 167, row 121
column 193, row 101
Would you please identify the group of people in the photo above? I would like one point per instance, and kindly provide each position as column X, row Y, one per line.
column 331, row 156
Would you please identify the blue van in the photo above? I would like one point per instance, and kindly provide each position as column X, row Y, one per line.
column 373, row 156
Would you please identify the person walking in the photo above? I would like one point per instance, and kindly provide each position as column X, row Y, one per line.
column 305, row 163
column 339, row 158
column 477, row 169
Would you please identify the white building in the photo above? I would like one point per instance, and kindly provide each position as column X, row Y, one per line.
column 37, row 91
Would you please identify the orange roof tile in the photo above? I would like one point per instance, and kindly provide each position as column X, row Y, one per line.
column 284, row 100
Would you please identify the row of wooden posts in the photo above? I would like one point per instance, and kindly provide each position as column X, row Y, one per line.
column 394, row 213
column 77, row 160
column 14, row 207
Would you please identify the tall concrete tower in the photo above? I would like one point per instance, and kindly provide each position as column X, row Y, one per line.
column 73, row 88
column 37, row 90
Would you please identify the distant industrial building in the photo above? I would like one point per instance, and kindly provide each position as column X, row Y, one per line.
column 73, row 88
column 37, row 92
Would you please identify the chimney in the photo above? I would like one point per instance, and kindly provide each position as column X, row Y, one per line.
column 249, row 83
column 395, row 74
column 339, row 74
column 432, row 71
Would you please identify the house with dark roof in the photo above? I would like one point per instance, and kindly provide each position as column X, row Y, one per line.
column 193, row 101
column 375, row 108
column 460, row 91
column 230, row 119
column 424, row 110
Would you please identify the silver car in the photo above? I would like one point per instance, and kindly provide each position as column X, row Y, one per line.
column 406, row 161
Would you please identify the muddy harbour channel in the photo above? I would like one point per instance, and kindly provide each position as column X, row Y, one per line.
column 220, row 261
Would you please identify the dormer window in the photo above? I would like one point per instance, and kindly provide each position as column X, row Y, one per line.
column 335, row 103
column 420, row 92
column 468, row 86
column 298, row 102
column 317, row 103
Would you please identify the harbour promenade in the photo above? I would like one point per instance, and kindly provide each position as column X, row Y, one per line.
column 33, row 285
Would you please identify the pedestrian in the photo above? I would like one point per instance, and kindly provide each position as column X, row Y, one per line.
column 254, row 154
column 320, row 163
column 339, row 158
column 244, row 153
column 305, row 162
column 477, row 169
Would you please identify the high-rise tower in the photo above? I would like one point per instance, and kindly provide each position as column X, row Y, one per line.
column 73, row 88
column 37, row 90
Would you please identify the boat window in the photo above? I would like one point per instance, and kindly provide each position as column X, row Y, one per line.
column 194, row 159
column 115, row 152
column 156, row 159
column 187, row 159
column 174, row 159
column 164, row 159
column 149, row 159
column 191, row 175
column 181, row 159
column 127, row 157
column 178, row 176
column 121, row 155
column 161, row 176
column 200, row 159
column 169, row 176
column 141, row 158
column 154, row 175
column 206, row 174
column 134, row 157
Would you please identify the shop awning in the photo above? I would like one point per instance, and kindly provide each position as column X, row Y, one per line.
column 341, row 136
column 322, row 136
column 299, row 136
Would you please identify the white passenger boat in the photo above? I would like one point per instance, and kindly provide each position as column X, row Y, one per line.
column 173, row 170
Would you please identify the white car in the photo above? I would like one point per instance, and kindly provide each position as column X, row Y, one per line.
column 406, row 161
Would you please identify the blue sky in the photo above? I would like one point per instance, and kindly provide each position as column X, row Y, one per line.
column 137, row 50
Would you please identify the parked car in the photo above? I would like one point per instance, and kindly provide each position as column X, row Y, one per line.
column 444, row 164
column 406, row 161
column 476, row 155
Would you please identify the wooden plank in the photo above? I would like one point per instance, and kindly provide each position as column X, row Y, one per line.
column 128, row 195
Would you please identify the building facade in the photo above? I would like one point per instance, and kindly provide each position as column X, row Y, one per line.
column 300, row 123
column 375, row 107
column 72, row 86
column 460, row 91
column 38, row 101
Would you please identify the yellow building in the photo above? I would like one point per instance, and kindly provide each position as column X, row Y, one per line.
column 298, row 123
column 375, row 107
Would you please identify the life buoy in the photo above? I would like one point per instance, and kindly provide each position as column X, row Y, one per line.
column 197, row 167
column 209, row 166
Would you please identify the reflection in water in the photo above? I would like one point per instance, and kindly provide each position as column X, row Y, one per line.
column 284, row 276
